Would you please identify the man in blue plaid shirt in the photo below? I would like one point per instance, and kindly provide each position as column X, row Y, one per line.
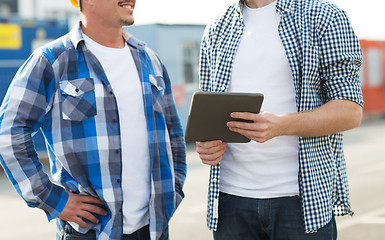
column 290, row 181
column 103, row 101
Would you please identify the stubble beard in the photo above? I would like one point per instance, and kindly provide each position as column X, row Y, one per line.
column 125, row 22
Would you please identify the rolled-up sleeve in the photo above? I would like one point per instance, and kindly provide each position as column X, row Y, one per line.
column 340, row 60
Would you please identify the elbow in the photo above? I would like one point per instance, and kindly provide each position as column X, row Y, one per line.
column 350, row 114
column 356, row 116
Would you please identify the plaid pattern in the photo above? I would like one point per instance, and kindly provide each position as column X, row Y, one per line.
column 325, row 57
column 63, row 90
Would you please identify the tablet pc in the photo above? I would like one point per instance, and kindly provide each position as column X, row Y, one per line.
column 210, row 112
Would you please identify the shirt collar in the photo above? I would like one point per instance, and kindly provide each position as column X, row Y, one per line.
column 239, row 6
column 283, row 6
column 76, row 36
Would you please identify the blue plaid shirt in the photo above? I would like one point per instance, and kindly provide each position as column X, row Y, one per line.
column 324, row 57
column 63, row 90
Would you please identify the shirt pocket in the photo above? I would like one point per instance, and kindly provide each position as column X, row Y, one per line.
column 157, row 91
column 78, row 99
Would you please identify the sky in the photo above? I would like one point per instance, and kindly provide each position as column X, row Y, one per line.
column 367, row 17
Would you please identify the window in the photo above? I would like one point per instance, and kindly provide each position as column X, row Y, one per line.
column 374, row 57
column 190, row 62
column 8, row 6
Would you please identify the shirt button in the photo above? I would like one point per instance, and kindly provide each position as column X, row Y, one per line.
column 77, row 90
column 117, row 151
column 114, row 120
column 118, row 180
column 215, row 180
column 111, row 92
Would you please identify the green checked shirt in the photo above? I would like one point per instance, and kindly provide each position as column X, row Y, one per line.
column 325, row 57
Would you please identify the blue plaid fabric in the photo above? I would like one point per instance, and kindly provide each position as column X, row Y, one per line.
column 325, row 56
column 63, row 90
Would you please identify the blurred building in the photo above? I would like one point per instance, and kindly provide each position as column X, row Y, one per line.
column 8, row 7
column 20, row 34
column 39, row 9
column 373, row 76
column 28, row 24
column 178, row 47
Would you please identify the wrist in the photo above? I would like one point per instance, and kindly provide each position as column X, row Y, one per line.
column 289, row 123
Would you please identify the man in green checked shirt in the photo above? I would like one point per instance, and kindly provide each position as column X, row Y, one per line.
column 290, row 181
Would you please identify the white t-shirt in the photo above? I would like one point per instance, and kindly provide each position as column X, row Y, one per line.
column 122, row 74
column 270, row 169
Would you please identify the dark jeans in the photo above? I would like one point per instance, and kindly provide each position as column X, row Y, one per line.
column 242, row 218
column 66, row 232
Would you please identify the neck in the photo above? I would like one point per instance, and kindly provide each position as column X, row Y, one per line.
column 104, row 35
column 258, row 3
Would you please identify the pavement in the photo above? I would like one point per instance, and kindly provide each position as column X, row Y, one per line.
column 365, row 155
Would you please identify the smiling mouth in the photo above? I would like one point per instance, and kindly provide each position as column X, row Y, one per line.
column 126, row 4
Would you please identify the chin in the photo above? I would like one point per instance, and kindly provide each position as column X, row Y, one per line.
column 127, row 22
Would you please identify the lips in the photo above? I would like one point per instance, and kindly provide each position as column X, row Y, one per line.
column 126, row 4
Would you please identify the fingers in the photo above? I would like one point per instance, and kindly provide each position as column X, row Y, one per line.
column 211, row 152
column 84, row 215
column 212, row 162
column 94, row 209
column 244, row 115
column 264, row 126
column 251, row 117
column 211, row 149
column 258, row 132
column 209, row 144
column 212, row 155
column 80, row 222
column 81, row 208
column 90, row 217
column 90, row 199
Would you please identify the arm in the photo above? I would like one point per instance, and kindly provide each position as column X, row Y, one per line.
column 339, row 61
column 21, row 114
column 210, row 152
column 332, row 117
column 176, row 135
